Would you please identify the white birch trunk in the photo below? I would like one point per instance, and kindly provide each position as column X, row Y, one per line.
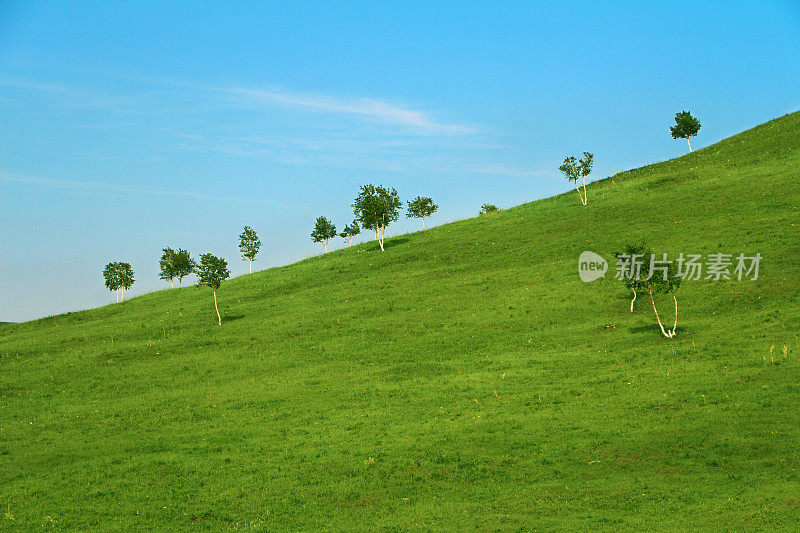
column 219, row 318
column 675, row 327
column 578, row 188
column 585, row 198
column 634, row 298
column 658, row 318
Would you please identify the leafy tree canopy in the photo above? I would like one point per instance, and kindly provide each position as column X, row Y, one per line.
column 488, row 208
column 249, row 243
column 350, row 230
column 111, row 276
column 421, row 207
column 125, row 273
column 685, row 126
column 212, row 271
column 167, row 264
column 324, row 230
column 182, row 264
column 570, row 168
column 376, row 207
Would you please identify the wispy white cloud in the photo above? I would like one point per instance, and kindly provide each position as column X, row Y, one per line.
column 373, row 109
column 363, row 107
column 365, row 133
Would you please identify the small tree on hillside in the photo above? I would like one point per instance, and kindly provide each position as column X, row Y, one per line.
column 664, row 278
column 421, row 207
column 686, row 126
column 175, row 265
column 212, row 271
column 350, row 231
column 375, row 208
column 646, row 271
column 182, row 264
column 111, row 277
column 167, row 266
column 631, row 259
column 125, row 278
column 574, row 169
column 249, row 243
column 324, row 230
column 488, row 208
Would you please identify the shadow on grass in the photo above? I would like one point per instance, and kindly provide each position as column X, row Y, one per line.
column 231, row 317
column 653, row 329
column 396, row 241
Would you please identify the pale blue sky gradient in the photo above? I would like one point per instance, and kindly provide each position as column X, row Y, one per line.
column 129, row 126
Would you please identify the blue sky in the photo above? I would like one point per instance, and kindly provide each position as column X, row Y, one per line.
column 129, row 126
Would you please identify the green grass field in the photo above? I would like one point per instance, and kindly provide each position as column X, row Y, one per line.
column 464, row 379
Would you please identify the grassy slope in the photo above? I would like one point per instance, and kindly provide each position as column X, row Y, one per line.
column 468, row 360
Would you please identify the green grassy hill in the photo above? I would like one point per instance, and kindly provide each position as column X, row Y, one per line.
column 465, row 378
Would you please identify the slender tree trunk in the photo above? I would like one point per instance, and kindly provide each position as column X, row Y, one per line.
column 171, row 283
column 675, row 327
column 326, row 246
column 690, row 144
column 578, row 188
column 423, row 223
column 219, row 318
column 585, row 198
column 350, row 242
column 634, row 298
column 376, row 232
column 251, row 266
column 122, row 294
column 658, row 318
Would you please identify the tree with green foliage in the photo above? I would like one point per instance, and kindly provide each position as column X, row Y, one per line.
column 175, row 265
column 488, row 208
column 111, row 277
column 421, row 207
column 640, row 269
column 125, row 278
column 118, row 277
column 375, row 208
column 249, row 244
column 686, row 126
column 182, row 265
column 350, row 231
column 574, row 169
column 633, row 279
column 212, row 271
column 324, row 230
column 167, row 266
